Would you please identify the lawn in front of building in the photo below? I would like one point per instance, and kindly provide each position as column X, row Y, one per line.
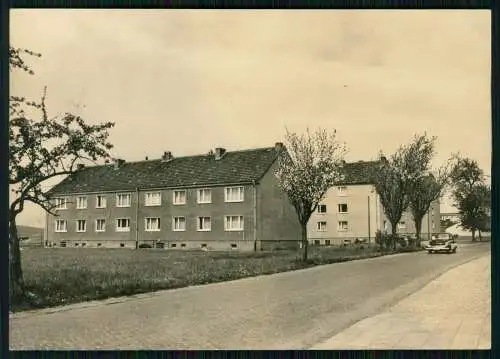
column 61, row 276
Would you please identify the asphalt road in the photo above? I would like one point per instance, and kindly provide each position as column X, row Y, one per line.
column 292, row 310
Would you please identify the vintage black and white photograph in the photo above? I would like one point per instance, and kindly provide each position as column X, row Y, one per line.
column 249, row 179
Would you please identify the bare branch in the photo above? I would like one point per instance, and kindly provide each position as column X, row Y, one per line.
column 311, row 164
column 399, row 179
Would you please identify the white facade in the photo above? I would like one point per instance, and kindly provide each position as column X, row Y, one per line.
column 355, row 211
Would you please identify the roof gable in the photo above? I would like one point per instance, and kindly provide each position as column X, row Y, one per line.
column 202, row 170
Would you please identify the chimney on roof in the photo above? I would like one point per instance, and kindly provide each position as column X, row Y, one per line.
column 146, row 158
column 80, row 166
column 383, row 158
column 219, row 153
column 279, row 146
column 167, row 156
column 118, row 163
column 210, row 153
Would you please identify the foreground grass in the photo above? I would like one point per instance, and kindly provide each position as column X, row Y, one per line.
column 61, row 276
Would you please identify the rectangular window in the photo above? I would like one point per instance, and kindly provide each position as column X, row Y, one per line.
column 123, row 200
column 343, row 226
column 322, row 208
column 233, row 223
column 204, row 195
column 179, row 224
column 81, row 225
column 61, row 225
column 179, row 197
column 402, row 225
column 100, row 225
column 152, row 199
column 152, row 224
column 61, row 203
column 204, row 224
column 123, row 225
column 321, row 226
column 100, row 201
column 342, row 208
column 342, row 190
column 234, row 194
column 81, row 202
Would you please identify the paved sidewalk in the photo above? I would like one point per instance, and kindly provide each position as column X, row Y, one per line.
column 451, row 312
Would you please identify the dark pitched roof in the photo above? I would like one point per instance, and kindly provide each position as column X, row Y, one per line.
column 361, row 172
column 233, row 168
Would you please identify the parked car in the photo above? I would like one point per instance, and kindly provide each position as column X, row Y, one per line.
column 442, row 243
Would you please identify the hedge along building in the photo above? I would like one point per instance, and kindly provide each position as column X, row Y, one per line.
column 220, row 200
column 352, row 210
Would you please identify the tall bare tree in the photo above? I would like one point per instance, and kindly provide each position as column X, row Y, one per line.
column 311, row 165
column 423, row 192
column 396, row 175
column 41, row 148
column 391, row 188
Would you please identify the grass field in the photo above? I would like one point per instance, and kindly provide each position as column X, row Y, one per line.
column 68, row 275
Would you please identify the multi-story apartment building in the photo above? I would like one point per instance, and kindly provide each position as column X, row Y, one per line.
column 220, row 200
column 352, row 209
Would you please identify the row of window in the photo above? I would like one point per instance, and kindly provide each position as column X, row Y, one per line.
column 342, row 208
column 153, row 224
column 64, row 244
column 343, row 226
column 231, row 194
column 402, row 225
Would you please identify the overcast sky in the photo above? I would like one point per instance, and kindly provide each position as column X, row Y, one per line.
column 186, row 81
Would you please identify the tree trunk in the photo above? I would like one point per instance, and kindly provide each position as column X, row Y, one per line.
column 418, row 230
column 473, row 235
column 303, row 227
column 16, row 288
column 480, row 237
column 393, row 235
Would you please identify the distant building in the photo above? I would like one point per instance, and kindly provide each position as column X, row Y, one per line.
column 220, row 200
column 352, row 210
column 451, row 216
column 30, row 236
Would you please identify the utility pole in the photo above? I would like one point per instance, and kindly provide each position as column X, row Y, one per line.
column 369, row 224
column 429, row 224
column 137, row 219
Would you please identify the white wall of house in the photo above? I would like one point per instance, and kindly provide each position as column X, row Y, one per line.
column 364, row 216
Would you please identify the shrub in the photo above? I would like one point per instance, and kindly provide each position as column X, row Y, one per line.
column 383, row 239
column 402, row 242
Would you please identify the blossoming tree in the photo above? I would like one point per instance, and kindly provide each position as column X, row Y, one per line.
column 311, row 164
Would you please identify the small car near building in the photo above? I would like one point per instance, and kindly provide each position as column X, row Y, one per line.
column 442, row 243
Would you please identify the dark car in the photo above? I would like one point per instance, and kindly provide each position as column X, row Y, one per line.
column 443, row 243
